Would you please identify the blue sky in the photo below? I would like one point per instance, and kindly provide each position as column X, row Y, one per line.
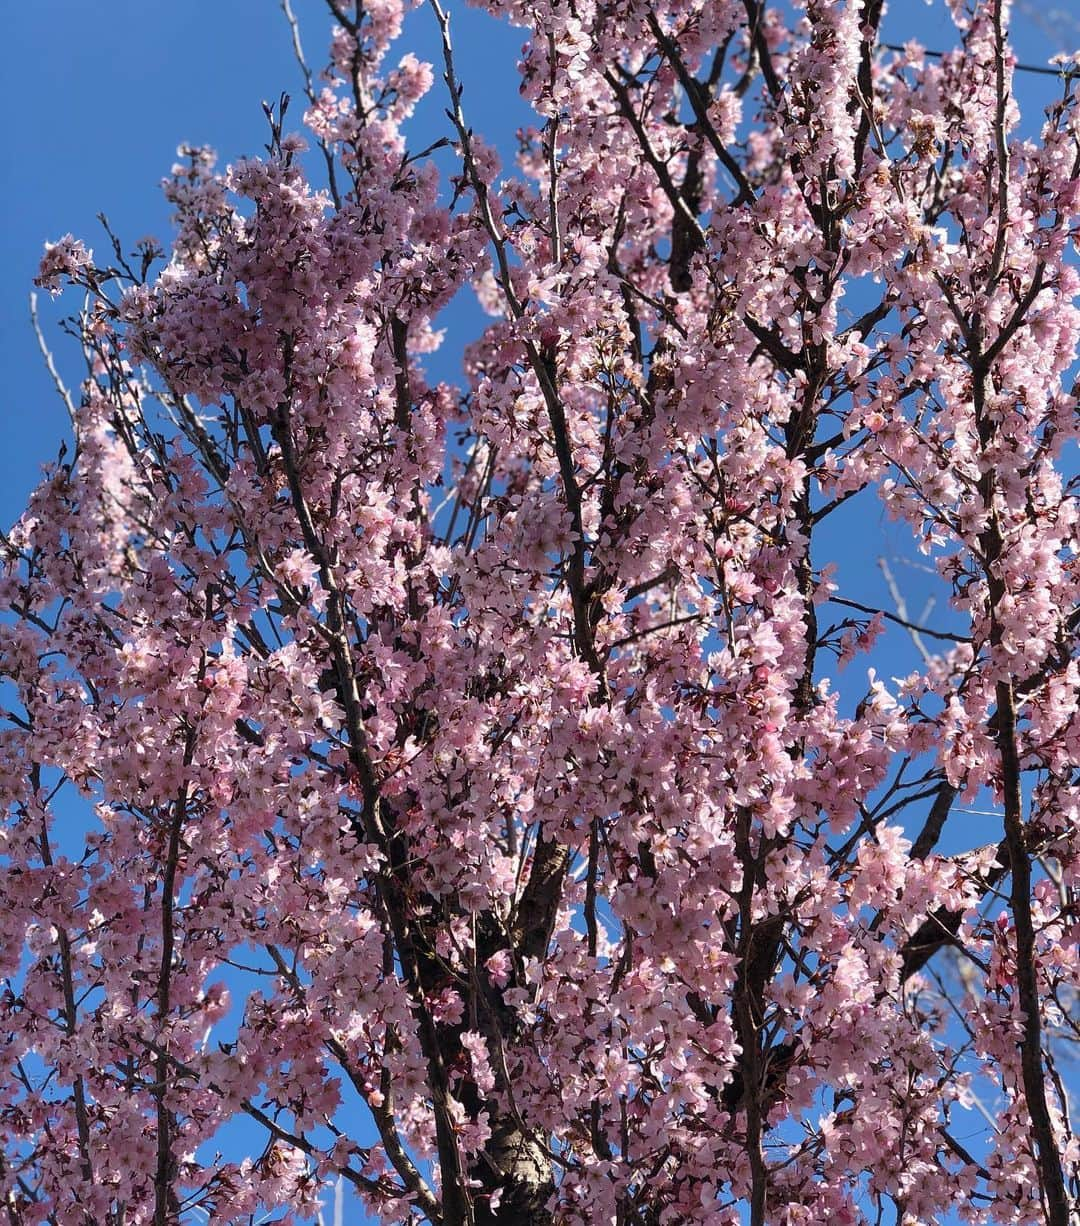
column 99, row 95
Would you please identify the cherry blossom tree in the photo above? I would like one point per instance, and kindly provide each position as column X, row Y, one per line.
column 496, row 795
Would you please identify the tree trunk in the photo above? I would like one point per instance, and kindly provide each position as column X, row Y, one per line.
column 515, row 1166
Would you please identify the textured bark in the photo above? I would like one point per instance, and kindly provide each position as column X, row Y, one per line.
column 517, row 1167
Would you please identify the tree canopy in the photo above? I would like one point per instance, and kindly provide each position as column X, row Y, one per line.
column 500, row 795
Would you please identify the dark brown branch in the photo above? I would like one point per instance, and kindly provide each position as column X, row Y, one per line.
column 899, row 621
column 166, row 1204
column 402, row 391
column 746, row 1007
column 1042, row 69
column 871, row 20
column 382, row 1113
column 754, row 14
column 663, row 175
column 1001, row 148
column 699, row 101
column 82, row 1120
column 1017, row 851
column 935, row 821
column 1048, row 1160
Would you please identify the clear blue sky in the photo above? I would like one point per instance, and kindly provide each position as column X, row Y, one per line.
column 98, row 95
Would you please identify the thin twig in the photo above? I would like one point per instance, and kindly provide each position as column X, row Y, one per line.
column 1043, row 69
column 914, row 630
column 309, row 89
column 50, row 364
column 899, row 621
